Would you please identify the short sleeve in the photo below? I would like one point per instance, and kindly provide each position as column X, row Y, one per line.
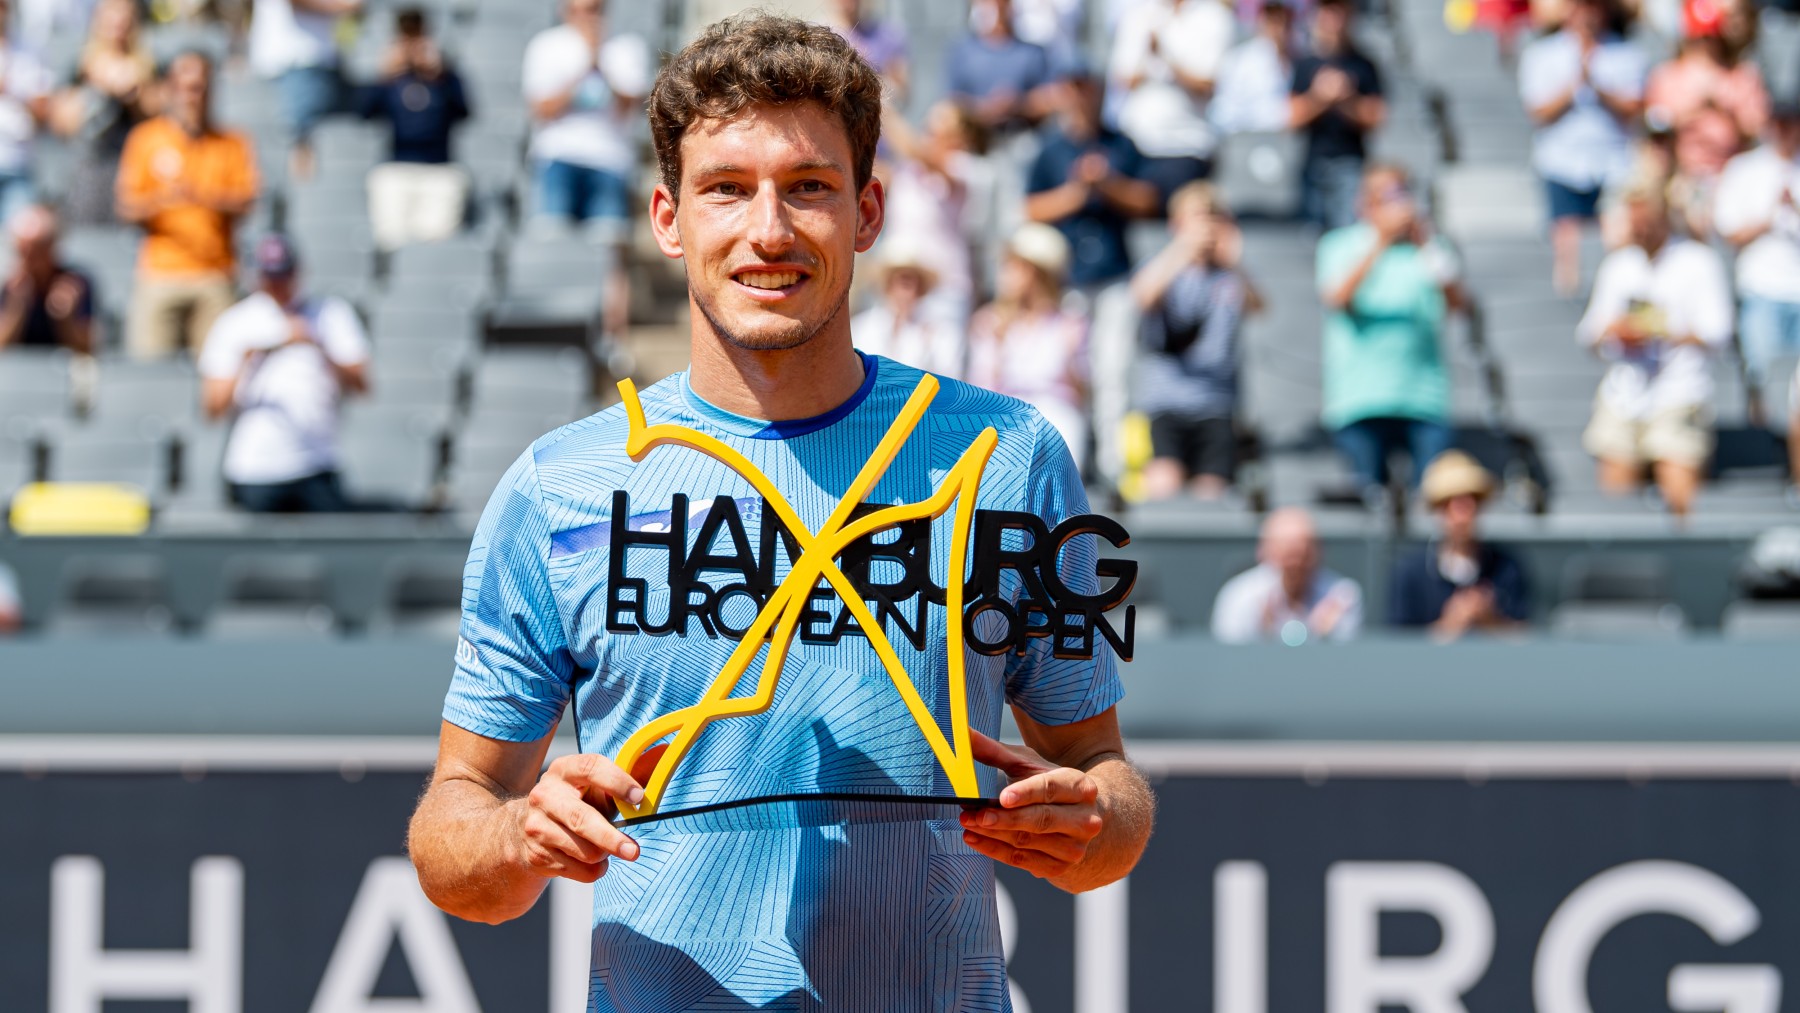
column 544, row 73
column 1713, row 310
column 1368, row 79
column 1043, row 174
column 1206, row 33
column 1335, row 256
column 1052, row 690
column 135, row 180
column 222, row 353
column 84, row 306
column 1539, row 81
column 1735, row 199
column 242, row 179
column 625, row 60
column 1304, row 69
column 514, row 671
column 341, row 333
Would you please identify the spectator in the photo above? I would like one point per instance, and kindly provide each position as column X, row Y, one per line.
column 1193, row 299
column 1457, row 584
column 1025, row 344
column 882, row 43
column 1087, row 182
column 294, row 43
column 1287, row 596
column 1583, row 86
column 1056, row 25
column 1661, row 308
column 114, row 90
column 25, row 88
column 1004, row 81
column 418, row 195
column 44, row 303
column 281, row 362
column 1755, row 211
column 902, row 324
column 1386, row 287
column 586, row 92
column 187, row 183
column 938, row 189
column 1337, row 103
column 1165, row 61
column 1714, row 105
column 1254, row 80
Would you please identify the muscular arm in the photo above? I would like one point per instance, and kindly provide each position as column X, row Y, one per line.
column 1077, row 812
column 489, row 833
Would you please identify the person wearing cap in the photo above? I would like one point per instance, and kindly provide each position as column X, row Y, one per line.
column 902, row 324
column 187, row 183
column 45, row 302
column 1025, row 344
column 1288, row 596
column 279, row 363
column 1087, row 181
column 1757, row 211
column 1583, row 87
column 1456, row 583
column 1661, row 310
column 1387, row 285
column 1192, row 298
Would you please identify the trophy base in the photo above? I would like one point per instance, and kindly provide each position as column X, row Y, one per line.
column 967, row 803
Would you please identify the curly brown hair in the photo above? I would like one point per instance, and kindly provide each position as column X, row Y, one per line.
column 758, row 58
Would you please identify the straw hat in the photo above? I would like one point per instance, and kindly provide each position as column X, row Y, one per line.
column 1041, row 246
column 1452, row 474
column 904, row 254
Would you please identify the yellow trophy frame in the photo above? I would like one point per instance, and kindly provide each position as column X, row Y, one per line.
column 778, row 618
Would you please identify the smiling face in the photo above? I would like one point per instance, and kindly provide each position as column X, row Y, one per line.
column 769, row 220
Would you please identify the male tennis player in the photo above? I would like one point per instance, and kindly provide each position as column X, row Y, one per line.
column 777, row 873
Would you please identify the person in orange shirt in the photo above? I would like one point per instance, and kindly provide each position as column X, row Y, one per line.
column 187, row 183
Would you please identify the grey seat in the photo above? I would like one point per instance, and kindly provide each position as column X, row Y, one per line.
column 554, row 379
column 1641, row 577
column 1635, row 621
column 477, row 464
column 34, row 386
column 113, row 595
column 1762, row 620
column 392, row 455
column 273, row 596
column 113, row 454
column 131, row 392
column 199, row 478
column 424, row 599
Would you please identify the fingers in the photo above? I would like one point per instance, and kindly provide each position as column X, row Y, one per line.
column 1038, row 863
column 1061, row 786
column 1078, row 822
column 1014, row 761
column 591, row 771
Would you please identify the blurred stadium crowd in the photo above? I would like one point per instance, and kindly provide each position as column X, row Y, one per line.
column 1264, row 259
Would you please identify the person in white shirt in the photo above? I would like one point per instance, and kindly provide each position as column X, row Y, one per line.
column 25, row 87
column 294, row 43
column 1287, row 597
column 281, row 362
column 904, row 325
column 1660, row 311
column 1165, row 60
column 1252, row 93
column 586, row 93
column 1756, row 211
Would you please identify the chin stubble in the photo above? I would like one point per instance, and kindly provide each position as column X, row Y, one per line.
column 793, row 336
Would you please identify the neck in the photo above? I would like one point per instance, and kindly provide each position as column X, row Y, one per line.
column 193, row 125
column 792, row 383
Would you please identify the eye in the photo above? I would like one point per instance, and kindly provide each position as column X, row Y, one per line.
column 728, row 189
column 811, row 186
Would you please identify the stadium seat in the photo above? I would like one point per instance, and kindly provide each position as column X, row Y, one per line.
column 1762, row 620
column 16, row 465
column 34, row 386
column 1616, row 577
column 127, row 391
column 553, row 380
column 112, row 595
column 424, row 599
column 1614, row 621
column 199, row 481
column 133, row 455
column 1259, row 174
column 273, row 596
column 391, row 455
column 477, row 463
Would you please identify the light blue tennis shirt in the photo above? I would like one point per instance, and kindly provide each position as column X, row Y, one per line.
column 573, row 592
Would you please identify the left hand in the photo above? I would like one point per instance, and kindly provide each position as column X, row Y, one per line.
column 1047, row 817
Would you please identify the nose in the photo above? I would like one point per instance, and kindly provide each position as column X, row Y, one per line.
column 770, row 231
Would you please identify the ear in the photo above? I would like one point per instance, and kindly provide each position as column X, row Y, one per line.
column 663, row 223
column 871, row 212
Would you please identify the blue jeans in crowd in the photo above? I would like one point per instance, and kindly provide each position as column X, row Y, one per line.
column 1768, row 330
column 314, row 494
column 1368, row 443
column 578, row 193
column 308, row 95
column 1329, row 190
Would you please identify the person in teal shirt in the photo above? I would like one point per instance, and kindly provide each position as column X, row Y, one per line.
column 1386, row 289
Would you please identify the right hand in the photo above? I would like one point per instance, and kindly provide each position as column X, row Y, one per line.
column 564, row 825
column 1628, row 333
column 1331, row 86
column 1396, row 222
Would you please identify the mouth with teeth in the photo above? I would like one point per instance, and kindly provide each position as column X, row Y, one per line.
column 765, row 283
